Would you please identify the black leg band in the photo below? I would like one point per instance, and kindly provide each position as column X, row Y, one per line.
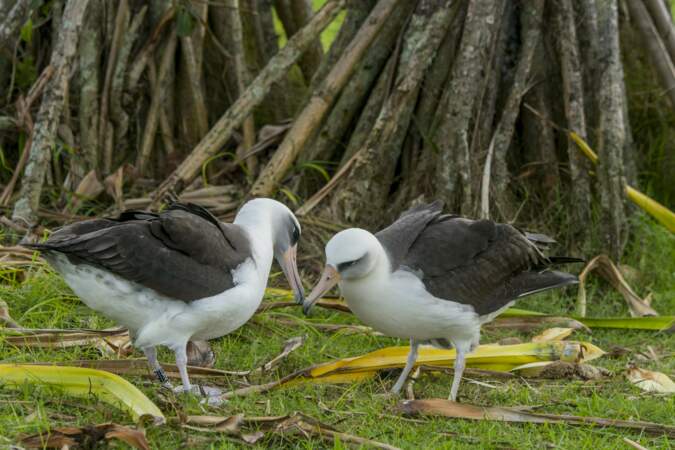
column 161, row 376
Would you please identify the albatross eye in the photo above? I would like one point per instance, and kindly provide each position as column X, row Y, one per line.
column 296, row 235
column 347, row 265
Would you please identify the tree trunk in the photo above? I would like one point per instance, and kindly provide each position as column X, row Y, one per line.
column 49, row 116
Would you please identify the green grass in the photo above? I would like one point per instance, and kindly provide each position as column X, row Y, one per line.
column 43, row 300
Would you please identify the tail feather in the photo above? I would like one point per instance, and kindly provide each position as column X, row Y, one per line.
column 564, row 259
column 529, row 283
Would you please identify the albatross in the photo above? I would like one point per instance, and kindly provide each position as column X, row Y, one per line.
column 435, row 278
column 178, row 275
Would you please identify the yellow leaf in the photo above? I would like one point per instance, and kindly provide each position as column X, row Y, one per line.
column 584, row 147
column 83, row 382
column 488, row 357
column 656, row 209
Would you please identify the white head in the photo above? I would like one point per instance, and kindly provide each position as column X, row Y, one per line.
column 351, row 255
column 284, row 233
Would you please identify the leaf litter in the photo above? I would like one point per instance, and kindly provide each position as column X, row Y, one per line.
column 447, row 408
column 86, row 437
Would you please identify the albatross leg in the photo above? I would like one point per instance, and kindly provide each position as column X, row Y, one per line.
column 412, row 357
column 459, row 370
column 181, row 363
column 151, row 355
column 212, row 395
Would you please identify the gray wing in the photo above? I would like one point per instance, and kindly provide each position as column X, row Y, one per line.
column 180, row 253
column 400, row 235
column 480, row 263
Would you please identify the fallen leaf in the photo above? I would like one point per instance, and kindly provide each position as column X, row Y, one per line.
column 86, row 437
column 525, row 320
column 608, row 270
column 291, row 424
column 5, row 318
column 553, row 334
column 490, row 357
column 89, row 188
column 650, row 381
column 534, row 322
column 199, row 353
column 83, row 382
column 114, row 341
column 114, row 184
column 447, row 408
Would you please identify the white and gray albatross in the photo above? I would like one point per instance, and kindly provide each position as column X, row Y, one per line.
column 178, row 275
column 436, row 278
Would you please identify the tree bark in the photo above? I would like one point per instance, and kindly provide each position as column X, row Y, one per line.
column 612, row 133
column 530, row 18
column 49, row 115
column 15, row 15
column 90, row 52
column 664, row 24
column 573, row 98
column 321, row 101
column 357, row 12
column 153, row 117
column 665, row 67
column 453, row 175
column 243, row 79
column 366, row 187
column 254, row 94
column 357, row 91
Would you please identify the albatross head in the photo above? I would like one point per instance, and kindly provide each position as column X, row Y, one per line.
column 351, row 255
column 285, row 233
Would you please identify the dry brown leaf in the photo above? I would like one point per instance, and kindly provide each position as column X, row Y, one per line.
column 86, row 437
column 530, row 323
column 607, row 269
column 114, row 184
column 291, row 424
column 5, row 318
column 650, row 381
column 111, row 342
column 447, row 408
column 290, row 346
column 89, row 188
column 553, row 334
column 199, row 353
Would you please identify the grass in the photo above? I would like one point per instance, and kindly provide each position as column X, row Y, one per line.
column 43, row 300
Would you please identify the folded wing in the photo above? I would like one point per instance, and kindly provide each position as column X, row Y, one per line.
column 183, row 253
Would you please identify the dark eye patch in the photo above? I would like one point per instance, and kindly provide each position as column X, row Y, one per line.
column 347, row 265
column 295, row 236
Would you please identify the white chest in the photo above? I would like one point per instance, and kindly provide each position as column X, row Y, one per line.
column 399, row 306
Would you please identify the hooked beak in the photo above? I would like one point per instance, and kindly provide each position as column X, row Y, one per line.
column 329, row 278
column 289, row 266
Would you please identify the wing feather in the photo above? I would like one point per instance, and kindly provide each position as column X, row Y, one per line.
column 181, row 253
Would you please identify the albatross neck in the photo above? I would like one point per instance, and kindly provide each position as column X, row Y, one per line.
column 255, row 219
